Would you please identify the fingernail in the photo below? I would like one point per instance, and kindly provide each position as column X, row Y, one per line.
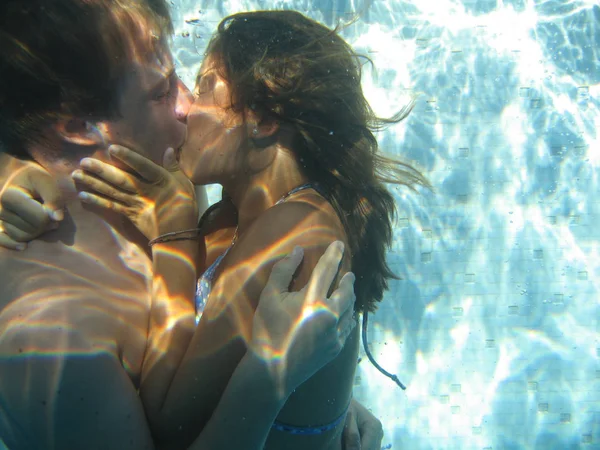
column 114, row 149
column 85, row 163
column 83, row 196
column 57, row 215
column 169, row 159
column 78, row 174
column 297, row 251
column 21, row 247
column 352, row 277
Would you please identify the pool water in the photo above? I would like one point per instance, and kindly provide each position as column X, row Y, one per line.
column 494, row 326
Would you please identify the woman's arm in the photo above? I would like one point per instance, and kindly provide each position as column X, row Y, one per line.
column 172, row 313
column 221, row 338
column 255, row 392
column 157, row 202
column 246, row 411
column 162, row 205
column 31, row 203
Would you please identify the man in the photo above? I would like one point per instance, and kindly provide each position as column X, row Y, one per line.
column 75, row 77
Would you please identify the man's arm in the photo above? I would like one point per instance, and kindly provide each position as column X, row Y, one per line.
column 362, row 430
column 62, row 392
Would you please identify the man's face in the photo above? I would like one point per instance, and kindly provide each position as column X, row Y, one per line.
column 154, row 104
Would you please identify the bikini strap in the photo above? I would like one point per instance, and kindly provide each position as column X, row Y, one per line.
column 302, row 187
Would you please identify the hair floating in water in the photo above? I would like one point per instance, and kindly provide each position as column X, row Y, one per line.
column 370, row 356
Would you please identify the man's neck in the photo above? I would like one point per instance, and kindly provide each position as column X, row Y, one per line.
column 92, row 224
column 87, row 220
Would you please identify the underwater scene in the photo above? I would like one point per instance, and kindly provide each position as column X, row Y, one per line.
column 140, row 310
column 494, row 326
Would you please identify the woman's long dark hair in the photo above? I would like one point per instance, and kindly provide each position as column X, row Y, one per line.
column 288, row 67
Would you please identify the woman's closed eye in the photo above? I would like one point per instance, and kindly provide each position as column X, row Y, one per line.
column 204, row 83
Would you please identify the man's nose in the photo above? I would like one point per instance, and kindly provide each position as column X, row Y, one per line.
column 184, row 101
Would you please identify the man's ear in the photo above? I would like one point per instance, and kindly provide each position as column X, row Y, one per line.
column 79, row 132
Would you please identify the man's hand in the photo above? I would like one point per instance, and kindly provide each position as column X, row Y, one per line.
column 363, row 431
column 297, row 333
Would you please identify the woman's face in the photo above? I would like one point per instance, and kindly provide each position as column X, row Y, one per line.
column 215, row 133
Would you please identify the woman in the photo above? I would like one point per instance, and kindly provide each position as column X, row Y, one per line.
column 280, row 121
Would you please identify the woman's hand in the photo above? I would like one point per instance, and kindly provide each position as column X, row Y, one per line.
column 297, row 333
column 31, row 204
column 156, row 200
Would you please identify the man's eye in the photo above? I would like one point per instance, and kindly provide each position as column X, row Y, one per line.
column 167, row 93
column 161, row 95
column 170, row 91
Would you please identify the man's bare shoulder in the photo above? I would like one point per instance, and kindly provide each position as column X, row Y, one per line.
column 53, row 269
column 54, row 293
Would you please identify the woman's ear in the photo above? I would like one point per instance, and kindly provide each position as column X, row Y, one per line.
column 80, row 132
column 265, row 129
column 261, row 125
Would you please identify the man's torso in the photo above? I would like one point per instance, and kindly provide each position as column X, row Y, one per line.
column 63, row 299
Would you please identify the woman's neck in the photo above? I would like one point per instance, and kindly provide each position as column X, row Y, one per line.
column 254, row 194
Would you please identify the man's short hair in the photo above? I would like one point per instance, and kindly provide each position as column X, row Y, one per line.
column 67, row 57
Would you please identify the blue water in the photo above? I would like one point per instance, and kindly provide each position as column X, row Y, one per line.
column 495, row 324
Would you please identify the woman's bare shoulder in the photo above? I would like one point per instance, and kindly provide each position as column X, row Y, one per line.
column 306, row 219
